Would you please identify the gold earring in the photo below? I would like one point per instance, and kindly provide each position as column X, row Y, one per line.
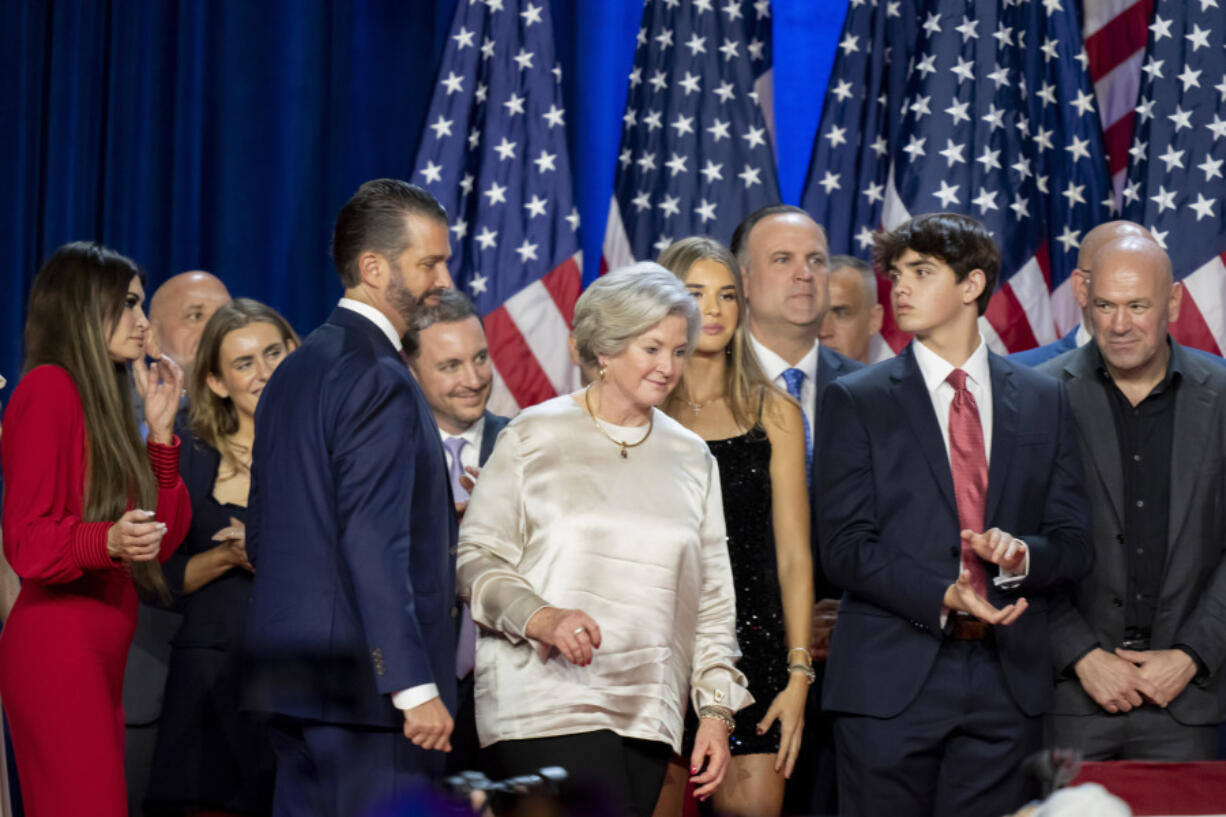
column 601, row 372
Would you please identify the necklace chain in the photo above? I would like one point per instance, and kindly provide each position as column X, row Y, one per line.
column 587, row 401
column 698, row 407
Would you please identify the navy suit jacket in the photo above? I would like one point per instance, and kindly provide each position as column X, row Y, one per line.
column 890, row 534
column 494, row 424
column 830, row 365
column 352, row 532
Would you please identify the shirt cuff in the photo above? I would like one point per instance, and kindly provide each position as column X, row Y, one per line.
column 1007, row 579
column 164, row 460
column 414, row 697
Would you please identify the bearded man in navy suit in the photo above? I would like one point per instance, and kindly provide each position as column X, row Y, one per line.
column 952, row 508
column 352, row 531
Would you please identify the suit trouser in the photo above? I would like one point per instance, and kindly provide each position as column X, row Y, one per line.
column 1148, row 733
column 331, row 770
column 811, row 789
column 465, row 748
column 956, row 749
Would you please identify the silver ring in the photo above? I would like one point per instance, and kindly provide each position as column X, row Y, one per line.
column 578, row 630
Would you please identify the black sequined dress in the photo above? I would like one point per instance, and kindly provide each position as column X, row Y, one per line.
column 744, row 473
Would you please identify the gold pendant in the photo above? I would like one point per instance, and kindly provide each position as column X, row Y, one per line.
column 624, row 451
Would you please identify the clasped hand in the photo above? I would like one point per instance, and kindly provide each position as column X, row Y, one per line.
column 1123, row 680
column 233, row 538
column 999, row 548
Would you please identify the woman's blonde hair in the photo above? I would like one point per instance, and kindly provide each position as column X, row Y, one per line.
column 745, row 384
column 214, row 418
column 75, row 303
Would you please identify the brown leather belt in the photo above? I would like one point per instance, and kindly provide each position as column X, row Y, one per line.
column 970, row 629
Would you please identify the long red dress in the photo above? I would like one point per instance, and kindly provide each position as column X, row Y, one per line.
column 63, row 649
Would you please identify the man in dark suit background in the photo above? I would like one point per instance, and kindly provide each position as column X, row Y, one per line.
column 1138, row 652
column 951, row 508
column 451, row 361
column 352, row 531
column 783, row 255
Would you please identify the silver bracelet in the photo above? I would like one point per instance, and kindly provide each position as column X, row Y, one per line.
column 718, row 713
column 805, row 670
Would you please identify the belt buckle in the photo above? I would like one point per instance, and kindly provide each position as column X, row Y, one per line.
column 1138, row 644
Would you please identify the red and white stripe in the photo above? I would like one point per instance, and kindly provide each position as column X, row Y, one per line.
column 527, row 337
column 1115, row 32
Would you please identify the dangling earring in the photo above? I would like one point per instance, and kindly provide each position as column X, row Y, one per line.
column 601, row 372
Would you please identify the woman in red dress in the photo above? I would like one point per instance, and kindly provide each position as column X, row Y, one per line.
column 89, row 514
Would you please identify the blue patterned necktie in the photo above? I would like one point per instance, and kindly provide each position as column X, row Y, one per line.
column 795, row 379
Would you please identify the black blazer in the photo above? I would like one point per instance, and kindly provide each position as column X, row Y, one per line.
column 890, row 533
column 352, row 532
column 494, row 424
column 1192, row 602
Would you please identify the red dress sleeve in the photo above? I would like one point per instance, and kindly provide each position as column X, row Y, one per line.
column 42, row 451
column 174, row 504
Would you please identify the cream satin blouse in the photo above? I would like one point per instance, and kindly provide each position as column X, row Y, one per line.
column 559, row 519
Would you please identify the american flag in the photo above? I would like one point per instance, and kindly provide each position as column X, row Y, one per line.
column 696, row 152
column 494, row 153
column 985, row 109
column 1175, row 184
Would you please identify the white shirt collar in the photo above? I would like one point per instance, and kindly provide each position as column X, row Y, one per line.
column 773, row 365
column 473, row 433
column 935, row 368
column 374, row 316
column 1083, row 337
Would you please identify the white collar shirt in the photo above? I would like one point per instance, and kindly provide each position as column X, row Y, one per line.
column 374, row 316
column 935, row 369
column 773, row 366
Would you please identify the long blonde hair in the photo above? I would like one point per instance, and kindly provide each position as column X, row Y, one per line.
column 75, row 303
column 746, row 386
column 213, row 418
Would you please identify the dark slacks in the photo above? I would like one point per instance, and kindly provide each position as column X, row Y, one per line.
column 465, row 748
column 606, row 773
column 811, row 789
column 957, row 749
column 328, row 770
column 1148, row 733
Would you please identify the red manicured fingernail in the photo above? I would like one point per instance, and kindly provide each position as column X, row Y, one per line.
column 693, row 770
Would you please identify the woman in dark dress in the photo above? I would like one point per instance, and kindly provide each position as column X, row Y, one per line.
column 210, row 756
column 756, row 433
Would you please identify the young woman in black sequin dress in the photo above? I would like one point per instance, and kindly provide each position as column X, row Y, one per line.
column 756, row 433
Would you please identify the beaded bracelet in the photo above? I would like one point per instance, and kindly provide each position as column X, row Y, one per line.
column 805, row 670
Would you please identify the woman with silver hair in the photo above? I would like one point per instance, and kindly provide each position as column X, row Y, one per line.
column 592, row 554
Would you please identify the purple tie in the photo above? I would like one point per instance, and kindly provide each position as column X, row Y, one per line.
column 467, row 645
column 454, row 446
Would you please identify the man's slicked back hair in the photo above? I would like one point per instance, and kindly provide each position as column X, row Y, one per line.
column 740, row 236
column 374, row 220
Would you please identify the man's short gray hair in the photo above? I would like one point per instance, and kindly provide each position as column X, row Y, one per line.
column 868, row 278
column 620, row 306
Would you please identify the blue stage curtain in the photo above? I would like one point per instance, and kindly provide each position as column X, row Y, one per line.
column 225, row 134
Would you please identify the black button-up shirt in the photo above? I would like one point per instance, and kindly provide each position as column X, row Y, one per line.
column 1145, row 433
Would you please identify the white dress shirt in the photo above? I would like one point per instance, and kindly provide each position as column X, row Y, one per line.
column 935, row 369
column 774, row 366
column 420, row 694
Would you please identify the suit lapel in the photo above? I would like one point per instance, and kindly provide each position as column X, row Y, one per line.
column 915, row 404
column 1097, row 426
column 1193, row 412
column 1004, row 432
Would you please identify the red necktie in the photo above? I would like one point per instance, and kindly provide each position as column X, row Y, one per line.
column 970, row 469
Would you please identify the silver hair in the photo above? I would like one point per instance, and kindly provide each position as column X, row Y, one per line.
column 620, row 306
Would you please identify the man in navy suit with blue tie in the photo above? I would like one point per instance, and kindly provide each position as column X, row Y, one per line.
column 352, row 532
column 451, row 361
column 952, row 506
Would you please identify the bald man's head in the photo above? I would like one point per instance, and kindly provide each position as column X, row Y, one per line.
column 1132, row 299
column 1104, row 234
column 180, row 308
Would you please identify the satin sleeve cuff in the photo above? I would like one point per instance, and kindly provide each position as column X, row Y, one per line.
column 165, row 461
column 89, row 546
column 721, row 686
column 500, row 599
